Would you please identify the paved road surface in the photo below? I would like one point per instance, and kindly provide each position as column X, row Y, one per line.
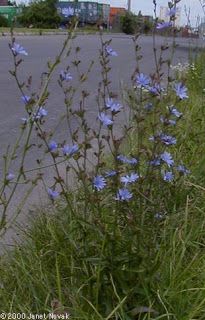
column 41, row 49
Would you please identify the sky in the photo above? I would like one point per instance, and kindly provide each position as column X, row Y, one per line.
column 146, row 6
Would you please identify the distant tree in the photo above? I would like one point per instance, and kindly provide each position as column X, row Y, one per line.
column 129, row 23
column 12, row 3
column 140, row 13
column 147, row 26
column 3, row 21
column 132, row 23
column 40, row 14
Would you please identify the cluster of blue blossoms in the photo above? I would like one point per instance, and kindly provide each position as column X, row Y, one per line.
column 67, row 150
column 144, row 82
column 164, row 25
column 165, row 159
column 106, row 118
column 123, row 194
column 114, row 107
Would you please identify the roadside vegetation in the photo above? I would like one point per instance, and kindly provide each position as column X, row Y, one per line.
column 126, row 241
column 111, row 265
column 40, row 14
column 3, row 21
column 132, row 23
column 44, row 31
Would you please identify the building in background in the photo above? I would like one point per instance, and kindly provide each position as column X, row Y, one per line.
column 3, row 3
column 202, row 25
column 147, row 18
column 115, row 16
column 164, row 15
column 202, row 28
column 87, row 12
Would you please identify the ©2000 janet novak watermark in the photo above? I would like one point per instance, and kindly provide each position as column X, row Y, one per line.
column 35, row 316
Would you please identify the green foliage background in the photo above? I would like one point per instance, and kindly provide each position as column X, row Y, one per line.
column 40, row 14
column 3, row 21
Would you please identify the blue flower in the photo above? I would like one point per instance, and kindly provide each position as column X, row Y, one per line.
column 64, row 75
column 127, row 160
column 53, row 194
column 168, row 140
column 25, row 99
column 113, row 105
column 129, row 179
column 167, row 158
column 155, row 89
column 10, row 176
column 181, row 91
column 182, row 169
column 167, row 121
column 172, row 12
column 70, row 150
column 155, row 162
column 106, row 120
column 40, row 113
column 110, row 173
column 111, row 52
column 172, row 122
column 123, row 195
column 99, row 182
column 175, row 112
column 52, row 146
column 18, row 49
column 142, row 80
column 163, row 25
column 168, row 176
column 148, row 106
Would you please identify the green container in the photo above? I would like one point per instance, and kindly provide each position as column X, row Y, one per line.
column 106, row 13
column 100, row 10
column 9, row 12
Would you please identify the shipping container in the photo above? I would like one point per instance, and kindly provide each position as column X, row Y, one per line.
column 115, row 14
column 117, row 10
column 10, row 12
column 3, row 3
column 106, row 14
column 92, row 12
column 100, row 10
column 87, row 12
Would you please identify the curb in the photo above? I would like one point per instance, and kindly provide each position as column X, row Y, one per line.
column 50, row 33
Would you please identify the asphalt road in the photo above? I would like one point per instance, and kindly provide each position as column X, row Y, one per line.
column 43, row 48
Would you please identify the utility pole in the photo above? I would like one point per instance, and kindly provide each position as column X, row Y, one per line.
column 129, row 5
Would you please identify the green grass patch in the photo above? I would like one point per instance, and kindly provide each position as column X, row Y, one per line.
column 93, row 272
